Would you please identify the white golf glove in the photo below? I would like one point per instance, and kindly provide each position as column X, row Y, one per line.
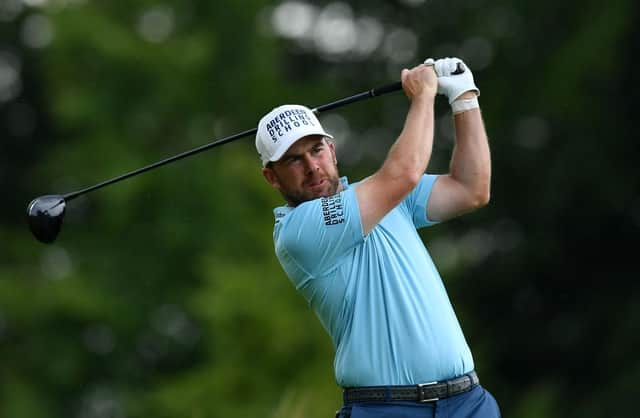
column 454, row 85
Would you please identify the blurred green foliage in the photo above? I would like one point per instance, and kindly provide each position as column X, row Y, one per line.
column 162, row 296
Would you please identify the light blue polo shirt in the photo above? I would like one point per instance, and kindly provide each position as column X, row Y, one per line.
column 379, row 296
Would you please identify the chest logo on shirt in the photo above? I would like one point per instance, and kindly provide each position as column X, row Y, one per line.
column 332, row 210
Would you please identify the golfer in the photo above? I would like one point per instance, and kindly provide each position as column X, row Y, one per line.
column 353, row 252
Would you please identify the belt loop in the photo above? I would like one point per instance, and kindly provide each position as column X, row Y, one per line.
column 387, row 393
column 470, row 376
column 471, row 379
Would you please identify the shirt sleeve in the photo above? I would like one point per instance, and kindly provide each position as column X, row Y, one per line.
column 416, row 201
column 317, row 233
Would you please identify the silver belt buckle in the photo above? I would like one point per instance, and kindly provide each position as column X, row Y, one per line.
column 423, row 385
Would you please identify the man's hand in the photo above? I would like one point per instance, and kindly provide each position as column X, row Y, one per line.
column 420, row 81
column 453, row 85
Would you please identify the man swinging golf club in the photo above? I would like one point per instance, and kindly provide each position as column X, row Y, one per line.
column 353, row 252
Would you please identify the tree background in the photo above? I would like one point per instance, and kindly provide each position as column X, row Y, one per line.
column 162, row 296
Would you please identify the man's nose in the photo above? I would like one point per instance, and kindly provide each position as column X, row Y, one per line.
column 310, row 164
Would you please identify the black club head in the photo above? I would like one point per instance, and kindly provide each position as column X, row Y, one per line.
column 45, row 215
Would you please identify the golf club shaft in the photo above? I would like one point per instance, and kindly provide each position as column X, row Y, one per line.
column 72, row 195
column 379, row 91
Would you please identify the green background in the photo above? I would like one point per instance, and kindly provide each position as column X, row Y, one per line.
column 162, row 296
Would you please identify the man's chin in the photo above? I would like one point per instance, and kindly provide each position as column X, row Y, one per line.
column 328, row 189
column 316, row 195
column 317, row 192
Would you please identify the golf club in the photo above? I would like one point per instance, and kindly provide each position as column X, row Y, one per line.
column 45, row 213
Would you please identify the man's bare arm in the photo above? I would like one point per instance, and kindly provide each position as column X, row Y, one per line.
column 468, row 184
column 408, row 157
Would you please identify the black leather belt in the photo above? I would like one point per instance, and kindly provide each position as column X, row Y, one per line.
column 423, row 392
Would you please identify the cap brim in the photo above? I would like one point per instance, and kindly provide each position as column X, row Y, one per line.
column 278, row 154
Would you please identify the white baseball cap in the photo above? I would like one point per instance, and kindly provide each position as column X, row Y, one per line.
column 282, row 127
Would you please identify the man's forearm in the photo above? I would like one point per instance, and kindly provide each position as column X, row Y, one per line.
column 471, row 160
column 412, row 150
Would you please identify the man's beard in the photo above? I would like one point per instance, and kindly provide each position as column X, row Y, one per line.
column 294, row 199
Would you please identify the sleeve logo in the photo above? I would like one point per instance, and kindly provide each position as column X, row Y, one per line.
column 332, row 210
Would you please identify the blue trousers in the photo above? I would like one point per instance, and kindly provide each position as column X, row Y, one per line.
column 477, row 403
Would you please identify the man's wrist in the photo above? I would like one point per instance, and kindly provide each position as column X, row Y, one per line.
column 465, row 103
column 469, row 94
column 423, row 99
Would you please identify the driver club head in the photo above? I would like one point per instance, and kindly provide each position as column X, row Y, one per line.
column 45, row 214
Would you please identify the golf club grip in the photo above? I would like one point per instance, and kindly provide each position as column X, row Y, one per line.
column 389, row 88
column 459, row 69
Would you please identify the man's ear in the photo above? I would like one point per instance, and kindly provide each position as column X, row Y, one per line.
column 271, row 177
